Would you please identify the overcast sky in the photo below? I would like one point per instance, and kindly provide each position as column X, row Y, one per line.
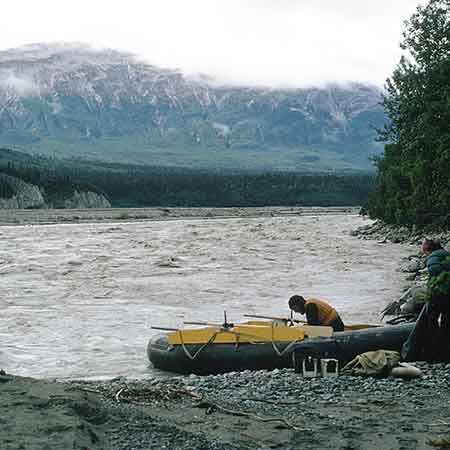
column 265, row 42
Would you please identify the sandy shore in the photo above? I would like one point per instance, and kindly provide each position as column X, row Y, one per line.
column 247, row 410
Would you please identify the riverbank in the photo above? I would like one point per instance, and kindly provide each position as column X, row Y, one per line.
column 383, row 233
column 414, row 267
column 247, row 410
column 52, row 216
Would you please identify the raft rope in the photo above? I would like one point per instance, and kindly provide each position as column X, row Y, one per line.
column 197, row 352
column 193, row 356
column 281, row 353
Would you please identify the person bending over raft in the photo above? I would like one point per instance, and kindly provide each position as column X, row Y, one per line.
column 318, row 312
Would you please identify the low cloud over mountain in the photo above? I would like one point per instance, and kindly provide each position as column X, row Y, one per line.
column 73, row 100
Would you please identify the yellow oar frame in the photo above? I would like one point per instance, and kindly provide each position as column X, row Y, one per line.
column 246, row 333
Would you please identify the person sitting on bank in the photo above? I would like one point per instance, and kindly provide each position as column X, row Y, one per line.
column 318, row 312
column 435, row 254
column 430, row 337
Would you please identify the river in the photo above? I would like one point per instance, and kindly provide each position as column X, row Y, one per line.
column 79, row 300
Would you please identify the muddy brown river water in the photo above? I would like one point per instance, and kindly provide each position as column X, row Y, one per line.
column 79, row 299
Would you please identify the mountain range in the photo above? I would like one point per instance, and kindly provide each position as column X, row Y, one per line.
column 70, row 100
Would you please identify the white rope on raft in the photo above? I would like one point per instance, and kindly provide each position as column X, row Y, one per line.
column 193, row 356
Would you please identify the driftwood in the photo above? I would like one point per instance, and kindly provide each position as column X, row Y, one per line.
column 117, row 396
column 144, row 396
column 394, row 307
column 272, row 402
column 139, row 396
column 210, row 406
column 93, row 391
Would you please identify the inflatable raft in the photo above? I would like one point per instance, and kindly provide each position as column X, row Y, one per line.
column 251, row 345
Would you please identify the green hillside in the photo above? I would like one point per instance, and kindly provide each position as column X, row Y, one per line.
column 144, row 186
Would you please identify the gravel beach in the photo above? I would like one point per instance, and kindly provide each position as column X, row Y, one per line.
column 246, row 410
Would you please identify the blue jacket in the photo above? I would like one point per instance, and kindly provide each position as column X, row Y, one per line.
column 435, row 262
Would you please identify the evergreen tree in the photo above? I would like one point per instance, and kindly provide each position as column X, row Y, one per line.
column 413, row 181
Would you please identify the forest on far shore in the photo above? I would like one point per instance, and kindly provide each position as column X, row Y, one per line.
column 146, row 186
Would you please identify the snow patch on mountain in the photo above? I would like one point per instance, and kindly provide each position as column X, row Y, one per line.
column 73, row 95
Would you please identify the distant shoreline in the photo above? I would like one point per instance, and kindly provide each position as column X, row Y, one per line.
column 55, row 216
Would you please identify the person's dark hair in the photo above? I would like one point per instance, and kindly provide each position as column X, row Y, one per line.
column 431, row 244
column 296, row 300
